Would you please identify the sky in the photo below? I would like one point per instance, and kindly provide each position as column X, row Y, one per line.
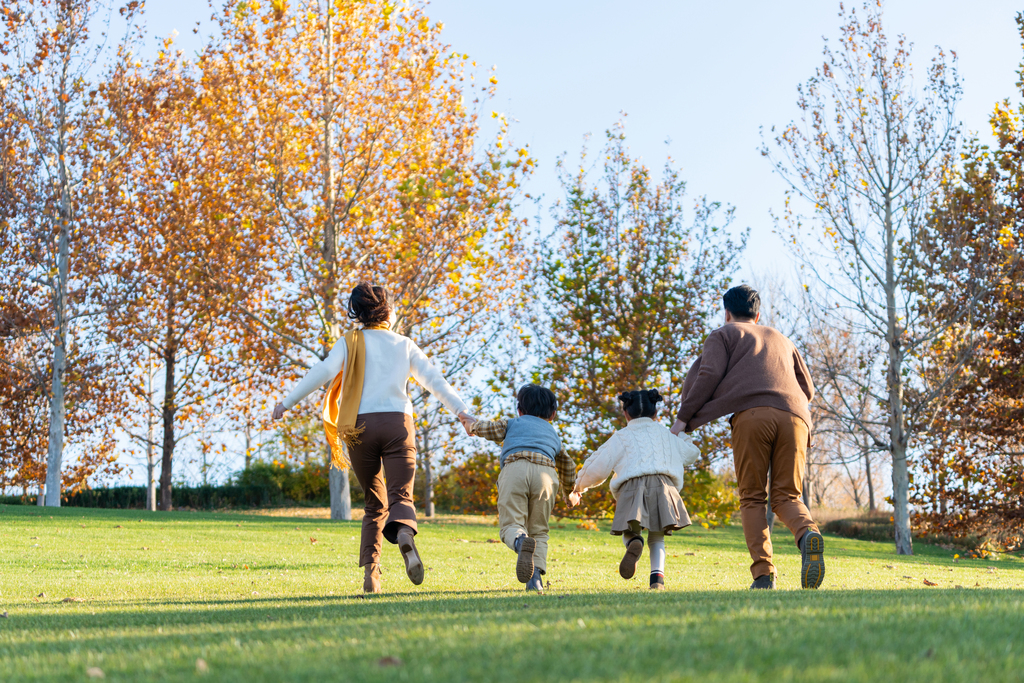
column 698, row 80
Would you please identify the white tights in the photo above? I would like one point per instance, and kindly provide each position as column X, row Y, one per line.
column 655, row 546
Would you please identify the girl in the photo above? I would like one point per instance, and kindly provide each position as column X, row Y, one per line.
column 367, row 412
column 648, row 463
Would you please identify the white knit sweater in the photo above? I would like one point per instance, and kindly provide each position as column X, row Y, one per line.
column 644, row 446
column 390, row 360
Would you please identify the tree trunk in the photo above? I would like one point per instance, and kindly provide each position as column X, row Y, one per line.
column 150, row 441
column 341, row 496
column 894, row 379
column 871, row 483
column 55, row 446
column 769, row 515
column 806, row 493
column 169, row 410
column 428, row 474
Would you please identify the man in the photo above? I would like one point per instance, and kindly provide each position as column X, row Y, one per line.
column 756, row 374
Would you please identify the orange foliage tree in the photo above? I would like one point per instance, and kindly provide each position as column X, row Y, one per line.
column 49, row 254
column 351, row 119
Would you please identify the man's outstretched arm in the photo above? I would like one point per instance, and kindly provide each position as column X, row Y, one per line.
column 713, row 362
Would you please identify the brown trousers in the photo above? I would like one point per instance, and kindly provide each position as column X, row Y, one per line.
column 526, row 495
column 384, row 462
column 764, row 438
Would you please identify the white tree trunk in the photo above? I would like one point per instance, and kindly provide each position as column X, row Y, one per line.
column 341, row 496
column 55, row 447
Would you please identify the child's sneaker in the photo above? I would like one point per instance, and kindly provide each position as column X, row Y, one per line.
column 524, row 565
column 536, row 583
column 657, row 581
column 627, row 568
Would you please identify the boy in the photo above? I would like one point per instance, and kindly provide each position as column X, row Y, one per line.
column 532, row 464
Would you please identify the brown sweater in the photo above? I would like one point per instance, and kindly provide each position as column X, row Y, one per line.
column 745, row 365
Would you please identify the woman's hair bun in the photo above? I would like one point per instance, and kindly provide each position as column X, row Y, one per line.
column 626, row 397
column 654, row 396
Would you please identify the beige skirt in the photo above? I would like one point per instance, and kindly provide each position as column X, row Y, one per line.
column 651, row 500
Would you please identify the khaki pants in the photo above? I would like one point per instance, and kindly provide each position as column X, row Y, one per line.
column 384, row 462
column 764, row 438
column 526, row 495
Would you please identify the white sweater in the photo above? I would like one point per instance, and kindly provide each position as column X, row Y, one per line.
column 390, row 360
column 642, row 447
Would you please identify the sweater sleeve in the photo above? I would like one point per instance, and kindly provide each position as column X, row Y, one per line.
column 714, row 361
column 803, row 375
column 599, row 465
column 431, row 379
column 320, row 374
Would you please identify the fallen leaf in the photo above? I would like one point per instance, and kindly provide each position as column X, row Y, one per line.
column 94, row 672
column 41, row 595
column 581, row 623
column 201, row 666
column 689, row 553
column 908, row 577
column 33, row 538
column 889, row 566
column 73, row 600
column 312, row 541
column 4, row 615
column 958, row 586
column 389, row 661
column 145, row 547
column 493, row 540
column 930, row 583
column 118, row 527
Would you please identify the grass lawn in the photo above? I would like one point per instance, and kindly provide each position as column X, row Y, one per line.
column 255, row 599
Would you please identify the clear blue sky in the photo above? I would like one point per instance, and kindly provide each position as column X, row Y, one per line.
column 704, row 75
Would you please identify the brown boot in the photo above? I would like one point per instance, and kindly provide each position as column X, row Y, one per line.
column 413, row 563
column 371, row 578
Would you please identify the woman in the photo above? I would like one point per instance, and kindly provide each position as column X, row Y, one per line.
column 368, row 409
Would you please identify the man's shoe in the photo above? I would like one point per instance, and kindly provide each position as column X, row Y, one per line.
column 812, row 549
column 657, row 581
column 371, row 578
column 524, row 565
column 627, row 568
column 764, row 582
column 413, row 563
column 536, row 582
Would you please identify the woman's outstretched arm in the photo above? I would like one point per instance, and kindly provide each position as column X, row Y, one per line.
column 318, row 375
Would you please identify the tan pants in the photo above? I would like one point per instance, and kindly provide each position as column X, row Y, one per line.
column 764, row 438
column 526, row 496
column 384, row 462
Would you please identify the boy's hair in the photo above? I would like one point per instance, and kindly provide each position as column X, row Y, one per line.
column 642, row 403
column 537, row 401
column 743, row 302
column 369, row 304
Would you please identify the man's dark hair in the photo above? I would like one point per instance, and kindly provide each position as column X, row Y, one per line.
column 369, row 304
column 743, row 302
column 537, row 401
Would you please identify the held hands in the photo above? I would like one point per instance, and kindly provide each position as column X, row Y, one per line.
column 279, row 411
column 467, row 421
column 574, row 499
column 677, row 427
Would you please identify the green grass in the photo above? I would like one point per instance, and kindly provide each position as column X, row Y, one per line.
column 256, row 600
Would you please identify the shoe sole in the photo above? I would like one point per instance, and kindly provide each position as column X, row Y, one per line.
column 627, row 568
column 413, row 563
column 524, row 565
column 812, row 573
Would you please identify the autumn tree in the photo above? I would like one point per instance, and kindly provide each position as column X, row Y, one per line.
column 972, row 469
column 47, row 59
column 869, row 155
column 173, row 218
column 354, row 122
column 629, row 291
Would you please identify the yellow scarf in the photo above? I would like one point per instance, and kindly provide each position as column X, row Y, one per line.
column 340, row 416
